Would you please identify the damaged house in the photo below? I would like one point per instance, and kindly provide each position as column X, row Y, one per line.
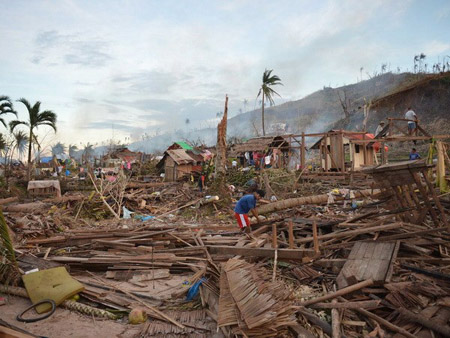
column 179, row 160
column 340, row 151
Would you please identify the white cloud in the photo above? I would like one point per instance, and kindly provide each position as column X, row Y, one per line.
column 436, row 47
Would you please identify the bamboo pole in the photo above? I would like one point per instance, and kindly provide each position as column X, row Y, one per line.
column 341, row 292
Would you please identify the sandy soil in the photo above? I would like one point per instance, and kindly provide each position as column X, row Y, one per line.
column 64, row 323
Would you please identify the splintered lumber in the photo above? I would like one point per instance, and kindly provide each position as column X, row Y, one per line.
column 317, row 321
column 365, row 304
column 291, row 235
column 428, row 323
column 350, row 233
column 315, row 239
column 317, row 199
column 386, row 323
column 296, row 254
column 341, row 292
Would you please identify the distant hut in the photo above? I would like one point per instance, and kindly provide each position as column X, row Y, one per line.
column 340, row 151
column 180, row 160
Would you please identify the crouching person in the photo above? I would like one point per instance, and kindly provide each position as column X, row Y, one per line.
column 245, row 205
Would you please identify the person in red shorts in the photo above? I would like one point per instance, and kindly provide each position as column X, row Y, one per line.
column 246, row 204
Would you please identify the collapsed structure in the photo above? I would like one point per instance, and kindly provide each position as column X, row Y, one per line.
column 330, row 259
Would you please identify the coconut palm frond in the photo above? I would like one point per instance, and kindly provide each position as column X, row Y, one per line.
column 9, row 271
column 15, row 123
column 2, row 142
column 6, row 107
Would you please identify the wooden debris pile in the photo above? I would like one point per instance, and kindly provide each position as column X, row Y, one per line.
column 251, row 303
column 318, row 268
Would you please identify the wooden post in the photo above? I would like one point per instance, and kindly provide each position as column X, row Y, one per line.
column 303, row 151
column 435, row 198
column 274, row 236
column 291, row 234
column 383, row 153
column 315, row 238
column 335, row 320
column 342, row 151
column 289, row 154
column 390, row 129
column 442, row 183
column 326, row 152
column 364, row 146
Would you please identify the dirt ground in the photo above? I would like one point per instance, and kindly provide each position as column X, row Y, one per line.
column 64, row 323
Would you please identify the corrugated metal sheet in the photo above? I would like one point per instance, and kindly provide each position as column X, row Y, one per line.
column 180, row 156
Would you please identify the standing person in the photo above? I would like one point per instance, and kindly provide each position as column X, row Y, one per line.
column 234, row 164
column 379, row 128
column 245, row 205
column 414, row 155
column 412, row 121
column 201, row 182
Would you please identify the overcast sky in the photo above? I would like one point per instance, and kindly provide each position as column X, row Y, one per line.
column 124, row 68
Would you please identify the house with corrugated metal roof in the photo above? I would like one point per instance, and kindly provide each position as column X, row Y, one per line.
column 180, row 160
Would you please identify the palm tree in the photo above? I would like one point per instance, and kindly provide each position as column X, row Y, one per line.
column 88, row 152
column 72, row 149
column 58, row 149
column 20, row 143
column 6, row 107
column 268, row 80
column 36, row 118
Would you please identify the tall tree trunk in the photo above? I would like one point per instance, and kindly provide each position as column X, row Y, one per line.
column 222, row 142
column 262, row 115
column 221, row 159
column 29, row 154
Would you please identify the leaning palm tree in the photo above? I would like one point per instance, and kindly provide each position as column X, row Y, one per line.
column 6, row 107
column 36, row 118
column 267, row 93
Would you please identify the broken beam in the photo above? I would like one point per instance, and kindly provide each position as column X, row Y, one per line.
column 296, row 254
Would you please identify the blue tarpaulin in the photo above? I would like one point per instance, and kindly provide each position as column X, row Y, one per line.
column 46, row 159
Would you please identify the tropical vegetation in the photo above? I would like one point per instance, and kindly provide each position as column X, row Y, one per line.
column 36, row 118
column 267, row 93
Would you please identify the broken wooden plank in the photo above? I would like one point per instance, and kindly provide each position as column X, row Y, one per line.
column 296, row 254
column 341, row 292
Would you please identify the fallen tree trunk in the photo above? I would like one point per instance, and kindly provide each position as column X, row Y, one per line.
column 8, row 200
column 26, row 207
column 316, row 199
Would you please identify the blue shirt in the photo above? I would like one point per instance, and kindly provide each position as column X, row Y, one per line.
column 414, row 156
column 245, row 204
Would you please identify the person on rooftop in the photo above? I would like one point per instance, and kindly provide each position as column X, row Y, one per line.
column 411, row 116
column 379, row 128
